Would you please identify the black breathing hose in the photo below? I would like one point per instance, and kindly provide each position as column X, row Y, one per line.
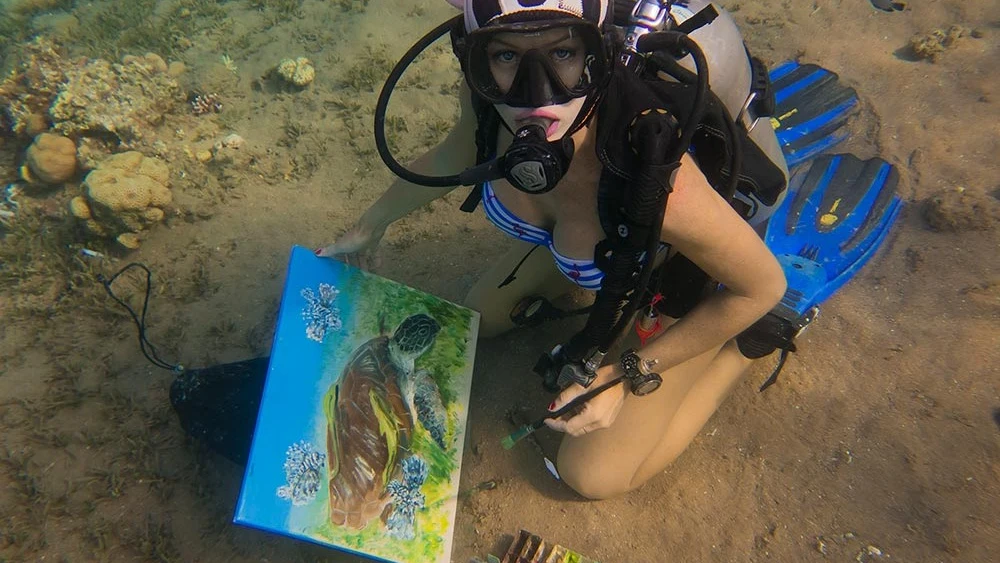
column 383, row 103
column 668, row 40
column 624, row 292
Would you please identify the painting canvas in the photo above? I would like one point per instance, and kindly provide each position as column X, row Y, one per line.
column 358, row 443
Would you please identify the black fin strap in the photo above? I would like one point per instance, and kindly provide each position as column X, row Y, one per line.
column 145, row 345
column 472, row 200
column 771, row 379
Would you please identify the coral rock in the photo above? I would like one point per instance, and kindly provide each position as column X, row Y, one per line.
column 299, row 72
column 93, row 150
column 130, row 241
column 87, row 98
column 125, row 194
column 126, row 100
column 52, row 158
column 176, row 68
column 78, row 207
column 34, row 83
column 35, row 123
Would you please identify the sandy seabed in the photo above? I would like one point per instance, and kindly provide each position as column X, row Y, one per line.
column 881, row 440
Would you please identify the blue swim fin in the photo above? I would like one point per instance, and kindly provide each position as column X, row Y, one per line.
column 811, row 109
column 838, row 211
column 836, row 214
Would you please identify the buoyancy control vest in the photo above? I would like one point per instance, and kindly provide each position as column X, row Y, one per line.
column 715, row 141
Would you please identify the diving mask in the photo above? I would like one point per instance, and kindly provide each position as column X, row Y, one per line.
column 535, row 63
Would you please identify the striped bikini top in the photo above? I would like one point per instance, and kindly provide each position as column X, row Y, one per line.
column 584, row 273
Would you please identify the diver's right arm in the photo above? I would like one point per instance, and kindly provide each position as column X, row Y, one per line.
column 451, row 156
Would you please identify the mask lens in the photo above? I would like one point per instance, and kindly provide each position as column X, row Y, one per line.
column 537, row 65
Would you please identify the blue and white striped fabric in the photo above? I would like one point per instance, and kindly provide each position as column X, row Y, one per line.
column 581, row 272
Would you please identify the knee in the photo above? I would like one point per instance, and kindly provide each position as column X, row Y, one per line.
column 596, row 479
column 492, row 320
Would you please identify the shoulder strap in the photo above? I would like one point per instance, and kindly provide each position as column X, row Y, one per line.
column 487, row 129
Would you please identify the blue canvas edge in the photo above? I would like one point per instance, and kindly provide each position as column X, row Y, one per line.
column 268, row 382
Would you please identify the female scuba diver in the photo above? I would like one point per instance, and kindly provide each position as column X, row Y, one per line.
column 552, row 64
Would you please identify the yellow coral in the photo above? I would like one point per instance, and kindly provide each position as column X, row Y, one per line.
column 130, row 241
column 299, row 72
column 125, row 194
column 78, row 207
column 51, row 158
column 118, row 190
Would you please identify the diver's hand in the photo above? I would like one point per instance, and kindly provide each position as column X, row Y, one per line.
column 596, row 413
column 355, row 247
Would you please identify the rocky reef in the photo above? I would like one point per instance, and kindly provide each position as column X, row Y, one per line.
column 118, row 101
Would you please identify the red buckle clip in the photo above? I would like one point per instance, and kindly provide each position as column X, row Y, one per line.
column 646, row 333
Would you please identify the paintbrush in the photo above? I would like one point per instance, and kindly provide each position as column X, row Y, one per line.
column 526, row 430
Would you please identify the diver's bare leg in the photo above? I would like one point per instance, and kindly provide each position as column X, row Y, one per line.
column 650, row 432
column 536, row 275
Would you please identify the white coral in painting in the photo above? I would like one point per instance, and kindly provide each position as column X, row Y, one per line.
column 303, row 472
column 320, row 314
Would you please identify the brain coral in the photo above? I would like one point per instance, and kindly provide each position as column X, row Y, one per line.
column 299, row 72
column 125, row 194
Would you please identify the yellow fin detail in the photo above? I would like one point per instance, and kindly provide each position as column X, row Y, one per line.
column 830, row 217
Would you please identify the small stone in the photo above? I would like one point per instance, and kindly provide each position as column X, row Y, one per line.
column 79, row 208
column 35, row 124
column 156, row 62
column 129, row 241
column 231, row 141
column 821, row 546
column 203, row 155
column 176, row 68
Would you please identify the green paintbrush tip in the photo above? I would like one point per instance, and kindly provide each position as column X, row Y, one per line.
column 516, row 436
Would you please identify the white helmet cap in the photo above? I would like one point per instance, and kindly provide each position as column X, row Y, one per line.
column 481, row 13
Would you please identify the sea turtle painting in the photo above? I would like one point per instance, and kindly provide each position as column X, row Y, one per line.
column 370, row 413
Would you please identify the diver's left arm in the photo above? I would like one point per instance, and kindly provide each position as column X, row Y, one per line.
column 701, row 225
